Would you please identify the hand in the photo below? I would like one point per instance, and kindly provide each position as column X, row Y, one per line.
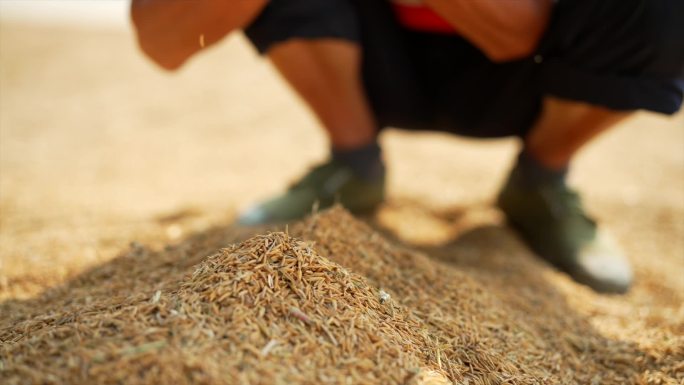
column 502, row 30
column 172, row 31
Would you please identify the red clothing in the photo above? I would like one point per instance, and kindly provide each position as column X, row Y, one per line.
column 414, row 14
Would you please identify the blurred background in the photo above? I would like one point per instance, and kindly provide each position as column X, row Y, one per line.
column 98, row 148
column 112, row 14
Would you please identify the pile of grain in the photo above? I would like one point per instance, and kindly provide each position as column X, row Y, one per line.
column 330, row 301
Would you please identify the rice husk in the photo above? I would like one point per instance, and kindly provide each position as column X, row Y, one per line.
column 329, row 301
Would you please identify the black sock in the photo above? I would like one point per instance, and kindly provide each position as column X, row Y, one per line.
column 365, row 161
column 534, row 172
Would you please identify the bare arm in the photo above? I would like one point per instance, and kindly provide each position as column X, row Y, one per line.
column 502, row 29
column 171, row 31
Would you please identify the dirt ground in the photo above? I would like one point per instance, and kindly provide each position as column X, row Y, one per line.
column 101, row 153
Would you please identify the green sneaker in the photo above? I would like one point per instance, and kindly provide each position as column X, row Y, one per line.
column 324, row 185
column 551, row 220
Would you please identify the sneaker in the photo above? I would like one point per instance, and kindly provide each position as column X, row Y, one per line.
column 550, row 218
column 324, row 185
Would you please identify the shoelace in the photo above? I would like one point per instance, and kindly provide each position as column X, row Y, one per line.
column 316, row 173
column 568, row 206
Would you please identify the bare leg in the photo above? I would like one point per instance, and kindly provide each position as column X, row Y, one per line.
column 564, row 127
column 547, row 213
column 326, row 74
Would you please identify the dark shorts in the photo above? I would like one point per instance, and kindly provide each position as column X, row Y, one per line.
column 620, row 54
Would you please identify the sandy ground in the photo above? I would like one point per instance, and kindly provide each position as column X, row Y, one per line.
column 98, row 149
